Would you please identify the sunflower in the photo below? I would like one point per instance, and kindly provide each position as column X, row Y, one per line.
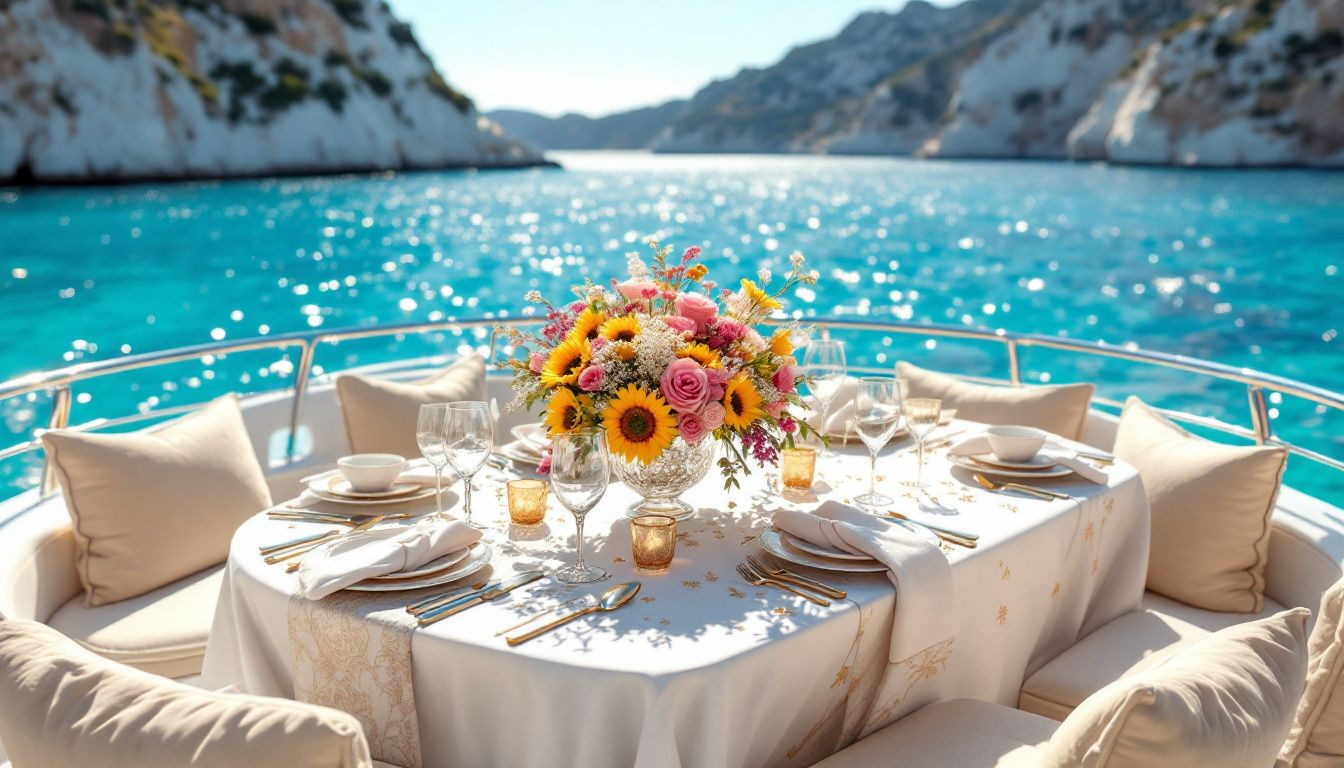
column 565, row 411
column 624, row 350
column 706, row 357
column 741, row 403
column 759, row 297
column 781, row 343
column 567, row 361
column 620, row 329
column 639, row 424
column 587, row 323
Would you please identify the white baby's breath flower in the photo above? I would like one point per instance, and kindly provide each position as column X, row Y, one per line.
column 636, row 267
column 737, row 304
column 534, row 296
column 796, row 260
column 764, row 274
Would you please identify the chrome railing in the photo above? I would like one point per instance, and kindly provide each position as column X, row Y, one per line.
column 59, row 382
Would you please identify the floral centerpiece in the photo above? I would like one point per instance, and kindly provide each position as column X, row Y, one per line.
column 667, row 363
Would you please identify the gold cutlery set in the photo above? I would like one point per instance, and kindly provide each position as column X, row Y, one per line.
column 1040, row 493
column 760, row 572
column 297, row 548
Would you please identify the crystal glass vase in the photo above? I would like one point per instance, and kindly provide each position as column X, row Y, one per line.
column 662, row 480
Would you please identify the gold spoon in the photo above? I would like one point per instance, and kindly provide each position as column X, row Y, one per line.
column 611, row 600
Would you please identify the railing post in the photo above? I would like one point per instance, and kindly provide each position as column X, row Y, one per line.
column 1014, row 367
column 300, row 387
column 60, row 419
column 1259, row 414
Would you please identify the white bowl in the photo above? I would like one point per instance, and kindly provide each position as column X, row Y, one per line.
column 371, row 472
column 1015, row 443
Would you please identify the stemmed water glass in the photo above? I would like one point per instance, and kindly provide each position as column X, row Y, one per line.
column 921, row 415
column 429, row 436
column 580, row 470
column 468, row 438
column 824, row 364
column 877, row 411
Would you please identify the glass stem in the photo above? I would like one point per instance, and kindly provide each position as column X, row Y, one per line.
column 872, row 472
column 919, row 465
column 438, row 490
column 578, row 524
column 466, row 496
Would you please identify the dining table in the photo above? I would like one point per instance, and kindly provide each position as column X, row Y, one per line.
column 701, row 668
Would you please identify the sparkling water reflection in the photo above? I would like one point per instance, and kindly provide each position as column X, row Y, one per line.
column 1240, row 267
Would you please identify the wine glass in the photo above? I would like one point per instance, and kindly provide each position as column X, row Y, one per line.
column 468, row 437
column 580, row 470
column 429, row 436
column 877, row 411
column 921, row 415
column 824, row 364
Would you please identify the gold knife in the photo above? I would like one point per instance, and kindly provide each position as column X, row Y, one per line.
column 471, row 601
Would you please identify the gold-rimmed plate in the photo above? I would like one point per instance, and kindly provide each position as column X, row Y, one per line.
column 428, row 569
column 1038, row 463
column 335, row 485
column 477, row 557
column 770, row 540
column 965, row 462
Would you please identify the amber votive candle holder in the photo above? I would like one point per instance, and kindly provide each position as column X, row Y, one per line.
column 653, row 539
column 797, row 467
column 527, row 501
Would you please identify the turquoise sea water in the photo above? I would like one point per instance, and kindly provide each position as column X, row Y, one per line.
column 1238, row 267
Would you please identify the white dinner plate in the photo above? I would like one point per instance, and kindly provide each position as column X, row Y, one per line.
column 771, row 542
column 814, row 549
column 430, row 568
column 478, row 556
column 1038, row 463
column 422, row 493
column 853, row 434
column 520, row 452
column 533, row 435
column 975, row 466
column 337, row 485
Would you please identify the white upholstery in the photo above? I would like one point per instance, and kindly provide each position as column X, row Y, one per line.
column 162, row 632
column 1127, row 644
column 952, row 734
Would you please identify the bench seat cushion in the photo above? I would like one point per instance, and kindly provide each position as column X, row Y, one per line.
column 952, row 734
column 162, row 632
column 1060, row 408
column 1127, row 644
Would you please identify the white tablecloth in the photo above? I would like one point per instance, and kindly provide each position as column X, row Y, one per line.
column 703, row 669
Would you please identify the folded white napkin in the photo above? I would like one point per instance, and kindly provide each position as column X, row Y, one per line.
column 976, row 445
column 920, row 571
column 533, row 436
column 323, row 572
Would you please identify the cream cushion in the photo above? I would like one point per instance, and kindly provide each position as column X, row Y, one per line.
column 163, row 631
column 1211, row 505
column 63, row 706
column 1125, row 645
column 380, row 415
column 1226, row 700
column 952, row 734
column 152, row 507
column 1317, row 736
column 1060, row 409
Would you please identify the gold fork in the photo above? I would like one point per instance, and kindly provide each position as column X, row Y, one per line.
column 752, row 577
column 1039, row 493
column 764, row 567
column 281, row 557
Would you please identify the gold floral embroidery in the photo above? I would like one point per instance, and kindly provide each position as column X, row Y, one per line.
column 710, row 576
column 1054, row 592
column 1002, row 618
column 647, row 599
column 925, row 665
column 1004, row 571
column 737, row 593
column 690, row 584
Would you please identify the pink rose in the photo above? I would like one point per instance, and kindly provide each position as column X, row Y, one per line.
column 711, row 416
column 684, row 385
column 776, row 409
column 544, row 467
column 578, row 306
column 783, row 379
column 536, row 362
column 697, row 307
column 691, row 427
column 679, row 323
column 591, row 379
column 718, row 380
column 637, row 289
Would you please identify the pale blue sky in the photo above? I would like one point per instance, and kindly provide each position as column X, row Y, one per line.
column 600, row 56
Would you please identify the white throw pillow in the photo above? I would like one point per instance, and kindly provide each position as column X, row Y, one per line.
column 156, row 506
column 1211, row 505
column 1061, row 409
column 61, row 705
column 1317, row 738
column 1225, row 701
column 380, row 415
